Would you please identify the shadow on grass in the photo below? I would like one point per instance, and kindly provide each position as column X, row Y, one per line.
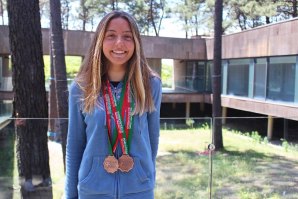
column 182, row 174
column 236, row 174
column 39, row 193
column 251, row 174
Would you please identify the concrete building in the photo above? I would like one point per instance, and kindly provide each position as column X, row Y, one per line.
column 259, row 70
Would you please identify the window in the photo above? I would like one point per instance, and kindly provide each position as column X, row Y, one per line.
column 260, row 74
column 281, row 79
column 238, row 73
column 195, row 76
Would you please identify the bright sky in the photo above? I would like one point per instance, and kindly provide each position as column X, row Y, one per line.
column 171, row 28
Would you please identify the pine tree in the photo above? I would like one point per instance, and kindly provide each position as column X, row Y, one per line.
column 58, row 63
column 30, row 99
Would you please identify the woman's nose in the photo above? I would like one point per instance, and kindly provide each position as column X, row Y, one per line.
column 119, row 40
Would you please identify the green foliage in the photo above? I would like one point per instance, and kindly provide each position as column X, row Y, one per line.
column 167, row 75
column 265, row 140
column 195, row 15
column 72, row 66
column 139, row 9
column 285, row 144
column 205, row 126
column 190, row 122
column 191, row 13
column 256, row 137
column 244, row 14
column 148, row 14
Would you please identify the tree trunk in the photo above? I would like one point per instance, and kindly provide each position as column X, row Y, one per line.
column 267, row 20
column 58, row 58
column 29, row 87
column 216, row 86
column 152, row 17
column 294, row 8
column 84, row 14
column 186, row 27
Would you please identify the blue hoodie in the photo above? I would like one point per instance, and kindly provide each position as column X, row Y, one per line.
column 87, row 147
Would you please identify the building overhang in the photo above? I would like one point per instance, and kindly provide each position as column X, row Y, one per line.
column 282, row 110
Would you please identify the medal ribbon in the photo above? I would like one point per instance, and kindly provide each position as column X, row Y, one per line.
column 108, row 118
column 126, row 106
column 127, row 114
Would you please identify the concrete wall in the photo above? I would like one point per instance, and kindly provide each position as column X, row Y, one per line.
column 179, row 72
column 174, row 48
column 270, row 40
column 155, row 64
column 262, row 107
column 77, row 43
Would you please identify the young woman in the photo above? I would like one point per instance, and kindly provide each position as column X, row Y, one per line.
column 114, row 106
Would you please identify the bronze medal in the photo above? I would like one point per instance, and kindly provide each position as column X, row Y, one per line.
column 125, row 163
column 110, row 164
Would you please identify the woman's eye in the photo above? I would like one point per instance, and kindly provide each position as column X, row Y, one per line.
column 110, row 36
column 128, row 37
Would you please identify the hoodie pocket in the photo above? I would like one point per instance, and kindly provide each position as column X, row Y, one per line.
column 136, row 180
column 98, row 181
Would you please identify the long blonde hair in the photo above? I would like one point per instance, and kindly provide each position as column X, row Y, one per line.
column 94, row 70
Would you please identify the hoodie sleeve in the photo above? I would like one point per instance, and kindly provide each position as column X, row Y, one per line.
column 76, row 141
column 154, row 117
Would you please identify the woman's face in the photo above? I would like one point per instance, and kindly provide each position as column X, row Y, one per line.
column 118, row 43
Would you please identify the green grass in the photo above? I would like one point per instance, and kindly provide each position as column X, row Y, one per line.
column 73, row 64
column 245, row 169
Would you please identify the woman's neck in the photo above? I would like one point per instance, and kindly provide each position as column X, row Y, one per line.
column 116, row 75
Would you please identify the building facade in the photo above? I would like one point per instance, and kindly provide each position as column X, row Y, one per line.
column 259, row 70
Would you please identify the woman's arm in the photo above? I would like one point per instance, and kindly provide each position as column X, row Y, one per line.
column 153, row 117
column 76, row 141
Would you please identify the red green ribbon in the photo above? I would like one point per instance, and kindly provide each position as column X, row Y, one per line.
column 126, row 105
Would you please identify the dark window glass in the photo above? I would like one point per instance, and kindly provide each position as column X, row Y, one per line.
column 281, row 79
column 238, row 78
column 260, row 79
column 195, row 76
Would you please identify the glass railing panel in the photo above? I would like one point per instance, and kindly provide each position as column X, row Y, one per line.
column 187, row 84
column 254, row 163
column 183, row 158
column 5, row 110
column 26, row 150
column 48, row 83
column 182, row 162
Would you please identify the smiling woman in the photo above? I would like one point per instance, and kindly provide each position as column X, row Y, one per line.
column 114, row 110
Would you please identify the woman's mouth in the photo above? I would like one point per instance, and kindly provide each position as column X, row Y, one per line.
column 118, row 53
